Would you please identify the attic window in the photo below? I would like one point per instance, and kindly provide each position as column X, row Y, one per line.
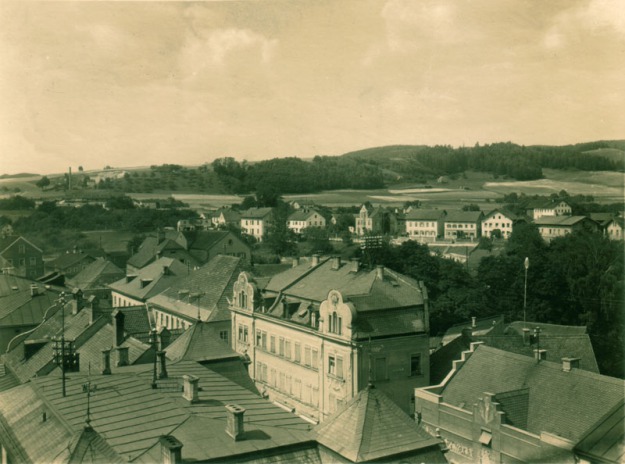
column 486, row 437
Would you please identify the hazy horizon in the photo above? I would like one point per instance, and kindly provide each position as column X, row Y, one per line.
column 95, row 83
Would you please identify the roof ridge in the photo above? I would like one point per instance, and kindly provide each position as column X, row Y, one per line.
column 360, row 452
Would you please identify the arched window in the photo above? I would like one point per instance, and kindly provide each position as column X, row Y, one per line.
column 335, row 323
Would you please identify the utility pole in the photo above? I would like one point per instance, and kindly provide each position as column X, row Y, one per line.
column 153, row 340
column 526, row 264
column 64, row 351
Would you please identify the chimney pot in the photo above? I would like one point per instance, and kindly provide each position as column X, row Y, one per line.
column 355, row 265
column 379, row 271
column 118, row 327
column 336, row 263
column 34, row 290
column 540, row 355
column 295, row 262
column 235, row 425
column 570, row 363
column 190, row 388
column 122, row 356
column 171, row 450
column 315, row 260
column 106, row 362
column 526, row 336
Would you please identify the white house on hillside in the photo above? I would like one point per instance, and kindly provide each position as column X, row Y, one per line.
column 303, row 218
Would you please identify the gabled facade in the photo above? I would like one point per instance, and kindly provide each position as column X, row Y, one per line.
column 305, row 218
column 463, row 224
column 318, row 332
column 423, row 225
column 378, row 220
column 20, row 257
column 256, row 221
column 496, row 406
column 616, row 229
column 550, row 208
column 498, row 220
column 551, row 227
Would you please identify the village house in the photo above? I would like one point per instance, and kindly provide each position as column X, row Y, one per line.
column 304, row 218
column 136, row 289
column 256, row 221
column 20, row 257
column 371, row 220
column 551, row 227
column 96, row 277
column 499, row 224
column 615, row 228
column 302, row 204
column 463, row 224
column 72, row 262
column 424, row 225
column 201, row 295
column 543, row 208
column 225, row 217
column 497, row 406
column 318, row 332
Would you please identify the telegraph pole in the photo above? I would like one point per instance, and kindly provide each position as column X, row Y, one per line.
column 526, row 264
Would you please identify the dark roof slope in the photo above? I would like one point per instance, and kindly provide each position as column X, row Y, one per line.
column 200, row 342
column 155, row 279
column 150, row 248
column 464, row 216
column 554, row 395
column 256, row 213
column 604, row 442
column 425, row 215
column 98, row 274
column 371, row 427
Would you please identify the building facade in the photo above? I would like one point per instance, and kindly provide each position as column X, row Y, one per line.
column 551, row 208
column 20, row 257
column 615, row 229
column 303, row 219
column 498, row 220
column 463, row 224
column 424, row 226
column 255, row 222
column 315, row 337
column 551, row 227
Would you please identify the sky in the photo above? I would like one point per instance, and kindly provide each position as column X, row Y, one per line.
column 95, row 83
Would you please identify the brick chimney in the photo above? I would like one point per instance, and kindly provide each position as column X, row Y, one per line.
column 235, row 425
column 122, row 356
column 163, row 338
column 315, row 260
column 570, row 363
column 171, row 450
column 336, row 263
column 105, row 362
column 162, row 365
column 355, row 265
column 118, row 327
column 190, row 388
column 379, row 272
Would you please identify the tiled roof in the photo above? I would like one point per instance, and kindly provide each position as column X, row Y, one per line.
column 21, row 308
column 387, row 322
column 69, row 259
column 10, row 284
column 149, row 249
column 503, row 212
column 545, row 204
column 554, row 330
column 88, row 446
column 153, row 273
column 10, row 240
column 604, row 442
column 200, row 342
column 562, row 221
column 554, row 395
column 483, row 326
column 425, row 215
column 214, row 282
column 302, row 215
column 371, row 427
column 255, row 213
column 7, row 379
column 130, row 416
column 96, row 275
column 463, row 216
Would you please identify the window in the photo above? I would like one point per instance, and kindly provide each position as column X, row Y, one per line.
column 273, row 379
column 332, row 365
column 298, row 353
column 22, row 262
column 243, row 333
column 281, row 346
column 307, row 355
column 33, row 261
column 287, row 349
column 223, row 334
column 415, row 364
column 272, row 343
column 282, row 384
column 22, row 249
column 258, row 338
column 315, row 359
column 336, row 322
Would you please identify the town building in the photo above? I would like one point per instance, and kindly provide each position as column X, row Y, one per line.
column 615, row 228
column 543, row 208
column 318, row 332
column 201, row 295
column 72, row 262
column 497, row 406
column 425, row 225
column 304, row 218
column 551, row 227
column 499, row 224
column 96, row 277
column 256, row 221
column 371, row 220
column 137, row 289
column 462, row 224
column 20, row 257
column 225, row 217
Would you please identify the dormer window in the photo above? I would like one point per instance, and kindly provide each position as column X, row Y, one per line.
column 335, row 324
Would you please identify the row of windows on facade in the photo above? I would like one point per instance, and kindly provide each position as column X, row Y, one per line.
column 459, row 226
column 496, row 225
column 32, row 261
column 420, row 224
column 253, row 222
column 311, row 355
column 286, row 384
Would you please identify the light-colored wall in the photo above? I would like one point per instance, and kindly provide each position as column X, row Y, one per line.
column 497, row 221
column 119, row 301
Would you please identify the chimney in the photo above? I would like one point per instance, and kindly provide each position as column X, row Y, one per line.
column 285, row 308
column 190, row 388
column 164, row 338
column 540, row 355
column 526, row 336
column 105, row 364
column 570, row 363
column 315, row 260
column 171, row 450
column 78, row 297
column 122, row 356
column 34, row 290
column 234, row 425
column 295, row 262
column 379, row 272
column 165, row 270
column 355, row 265
column 162, row 365
column 473, row 322
column 336, row 263
column 118, row 327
